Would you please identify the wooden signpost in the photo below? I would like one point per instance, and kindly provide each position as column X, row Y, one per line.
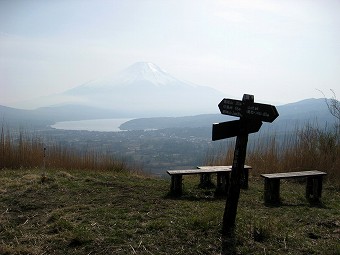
column 251, row 116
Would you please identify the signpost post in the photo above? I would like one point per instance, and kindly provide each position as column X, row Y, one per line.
column 251, row 116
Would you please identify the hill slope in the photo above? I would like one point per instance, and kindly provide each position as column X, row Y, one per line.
column 118, row 213
column 308, row 110
column 312, row 110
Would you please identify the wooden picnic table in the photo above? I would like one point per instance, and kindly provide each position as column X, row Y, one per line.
column 223, row 178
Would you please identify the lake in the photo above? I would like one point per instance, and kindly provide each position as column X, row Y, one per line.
column 102, row 125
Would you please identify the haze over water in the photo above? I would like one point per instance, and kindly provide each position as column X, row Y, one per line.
column 102, row 125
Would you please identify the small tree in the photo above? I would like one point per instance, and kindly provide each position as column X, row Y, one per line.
column 333, row 105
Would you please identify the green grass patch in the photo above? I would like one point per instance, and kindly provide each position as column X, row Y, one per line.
column 82, row 212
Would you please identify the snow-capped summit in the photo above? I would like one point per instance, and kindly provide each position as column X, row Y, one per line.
column 139, row 72
column 147, row 71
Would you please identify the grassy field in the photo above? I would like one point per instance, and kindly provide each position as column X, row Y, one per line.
column 106, row 212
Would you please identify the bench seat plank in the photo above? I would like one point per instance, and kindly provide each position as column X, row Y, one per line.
column 293, row 174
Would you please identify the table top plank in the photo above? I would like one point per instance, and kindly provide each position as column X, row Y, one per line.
column 221, row 167
column 197, row 171
column 203, row 170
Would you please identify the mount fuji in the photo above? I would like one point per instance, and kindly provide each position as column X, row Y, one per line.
column 143, row 89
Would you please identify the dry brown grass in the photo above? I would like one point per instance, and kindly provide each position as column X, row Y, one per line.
column 309, row 148
column 28, row 151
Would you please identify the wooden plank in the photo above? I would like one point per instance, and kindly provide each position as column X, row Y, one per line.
column 203, row 170
column 244, row 173
column 222, row 186
column 221, row 167
column 293, row 174
column 214, row 167
column 197, row 171
column 176, row 185
column 314, row 188
column 272, row 191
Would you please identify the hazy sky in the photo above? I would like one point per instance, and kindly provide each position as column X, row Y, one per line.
column 280, row 51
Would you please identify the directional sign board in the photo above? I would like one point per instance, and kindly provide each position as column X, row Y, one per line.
column 251, row 116
column 237, row 108
column 234, row 128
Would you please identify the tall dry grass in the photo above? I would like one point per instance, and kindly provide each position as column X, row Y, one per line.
column 308, row 148
column 23, row 150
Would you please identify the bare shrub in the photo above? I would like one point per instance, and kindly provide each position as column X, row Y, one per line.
column 308, row 148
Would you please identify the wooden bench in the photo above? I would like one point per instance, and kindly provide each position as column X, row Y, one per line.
column 223, row 177
column 313, row 185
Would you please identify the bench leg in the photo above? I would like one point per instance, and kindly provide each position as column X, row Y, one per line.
column 272, row 191
column 314, row 188
column 244, row 178
column 205, row 181
column 222, row 184
column 176, row 185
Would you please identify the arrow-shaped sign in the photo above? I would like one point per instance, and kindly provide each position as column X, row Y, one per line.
column 231, row 107
column 234, row 128
column 263, row 112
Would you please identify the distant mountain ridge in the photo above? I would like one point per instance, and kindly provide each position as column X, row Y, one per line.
column 312, row 110
column 304, row 110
